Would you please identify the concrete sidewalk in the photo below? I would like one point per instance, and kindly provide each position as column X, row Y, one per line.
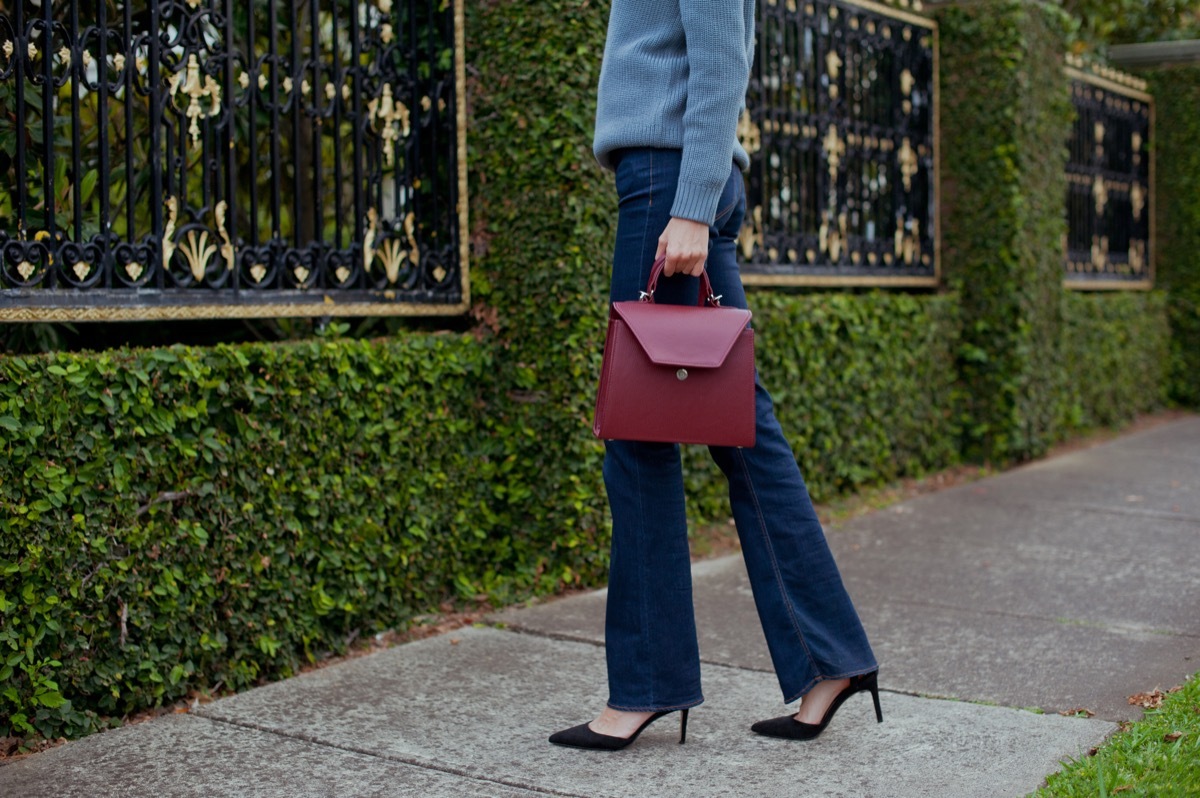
column 1070, row 583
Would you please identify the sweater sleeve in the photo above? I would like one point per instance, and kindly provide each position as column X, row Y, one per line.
column 716, row 89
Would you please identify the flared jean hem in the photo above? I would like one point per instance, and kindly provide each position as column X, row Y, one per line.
column 673, row 708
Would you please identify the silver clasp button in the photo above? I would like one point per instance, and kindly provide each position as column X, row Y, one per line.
column 681, row 374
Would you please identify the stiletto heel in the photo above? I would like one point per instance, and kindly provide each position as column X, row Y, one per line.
column 788, row 728
column 582, row 736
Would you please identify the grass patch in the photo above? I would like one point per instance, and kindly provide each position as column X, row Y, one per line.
column 1157, row 756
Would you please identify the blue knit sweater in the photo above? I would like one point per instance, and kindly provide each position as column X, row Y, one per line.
column 674, row 75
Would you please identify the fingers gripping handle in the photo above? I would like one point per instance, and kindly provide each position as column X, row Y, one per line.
column 706, row 289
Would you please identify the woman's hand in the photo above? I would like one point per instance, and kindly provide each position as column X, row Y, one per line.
column 685, row 244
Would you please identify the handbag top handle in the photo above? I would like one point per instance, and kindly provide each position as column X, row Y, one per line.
column 706, row 289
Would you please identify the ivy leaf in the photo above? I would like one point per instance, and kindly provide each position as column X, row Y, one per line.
column 51, row 699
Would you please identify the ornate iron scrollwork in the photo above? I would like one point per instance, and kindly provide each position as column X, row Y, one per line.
column 840, row 127
column 1108, row 181
column 192, row 158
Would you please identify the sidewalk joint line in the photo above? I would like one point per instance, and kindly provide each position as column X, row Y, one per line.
column 1134, row 511
column 1058, row 620
column 414, row 762
column 1033, row 504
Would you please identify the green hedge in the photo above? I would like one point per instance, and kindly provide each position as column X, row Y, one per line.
column 1115, row 358
column 864, row 386
column 178, row 518
column 1176, row 100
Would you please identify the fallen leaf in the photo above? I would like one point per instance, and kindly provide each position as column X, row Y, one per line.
column 454, row 641
column 1072, row 713
column 1092, row 751
column 1172, row 737
column 1123, row 788
column 1150, row 700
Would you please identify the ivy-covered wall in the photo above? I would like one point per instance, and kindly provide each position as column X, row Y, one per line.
column 1177, row 152
column 1005, row 120
column 541, row 233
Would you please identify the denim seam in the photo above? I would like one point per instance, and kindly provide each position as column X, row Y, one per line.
column 646, row 226
column 728, row 209
column 643, row 613
column 650, row 203
column 762, row 524
column 695, row 703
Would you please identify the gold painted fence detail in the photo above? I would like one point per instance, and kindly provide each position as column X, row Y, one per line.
column 1109, row 176
column 841, row 130
column 201, row 158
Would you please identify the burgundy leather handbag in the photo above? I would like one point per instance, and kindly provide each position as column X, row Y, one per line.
column 677, row 373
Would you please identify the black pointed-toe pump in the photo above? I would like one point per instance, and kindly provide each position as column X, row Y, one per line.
column 788, row 728
column 582, row 736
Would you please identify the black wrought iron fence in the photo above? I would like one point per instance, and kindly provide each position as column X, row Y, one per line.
column 841, row 129
column 192, row 158
column 1109, row 181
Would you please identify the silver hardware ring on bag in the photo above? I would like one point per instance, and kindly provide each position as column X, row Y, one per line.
column 706, row 289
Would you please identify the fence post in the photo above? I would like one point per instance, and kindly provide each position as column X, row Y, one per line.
column 1006, row 118
column 1173, row 70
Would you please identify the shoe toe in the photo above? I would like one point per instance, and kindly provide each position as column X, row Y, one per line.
column 571, row 736
column 582, row 736
column 785, row 727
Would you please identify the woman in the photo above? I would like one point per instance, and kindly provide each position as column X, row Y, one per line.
column 672, row 87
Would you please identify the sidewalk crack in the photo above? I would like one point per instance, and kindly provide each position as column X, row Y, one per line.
column 532, row 632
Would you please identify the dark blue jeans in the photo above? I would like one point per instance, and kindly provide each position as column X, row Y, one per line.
column 812, row 629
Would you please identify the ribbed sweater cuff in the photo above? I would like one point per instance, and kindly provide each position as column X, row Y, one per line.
column 696, row 201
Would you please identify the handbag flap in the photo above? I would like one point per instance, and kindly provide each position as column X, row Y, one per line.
column 683, row 335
